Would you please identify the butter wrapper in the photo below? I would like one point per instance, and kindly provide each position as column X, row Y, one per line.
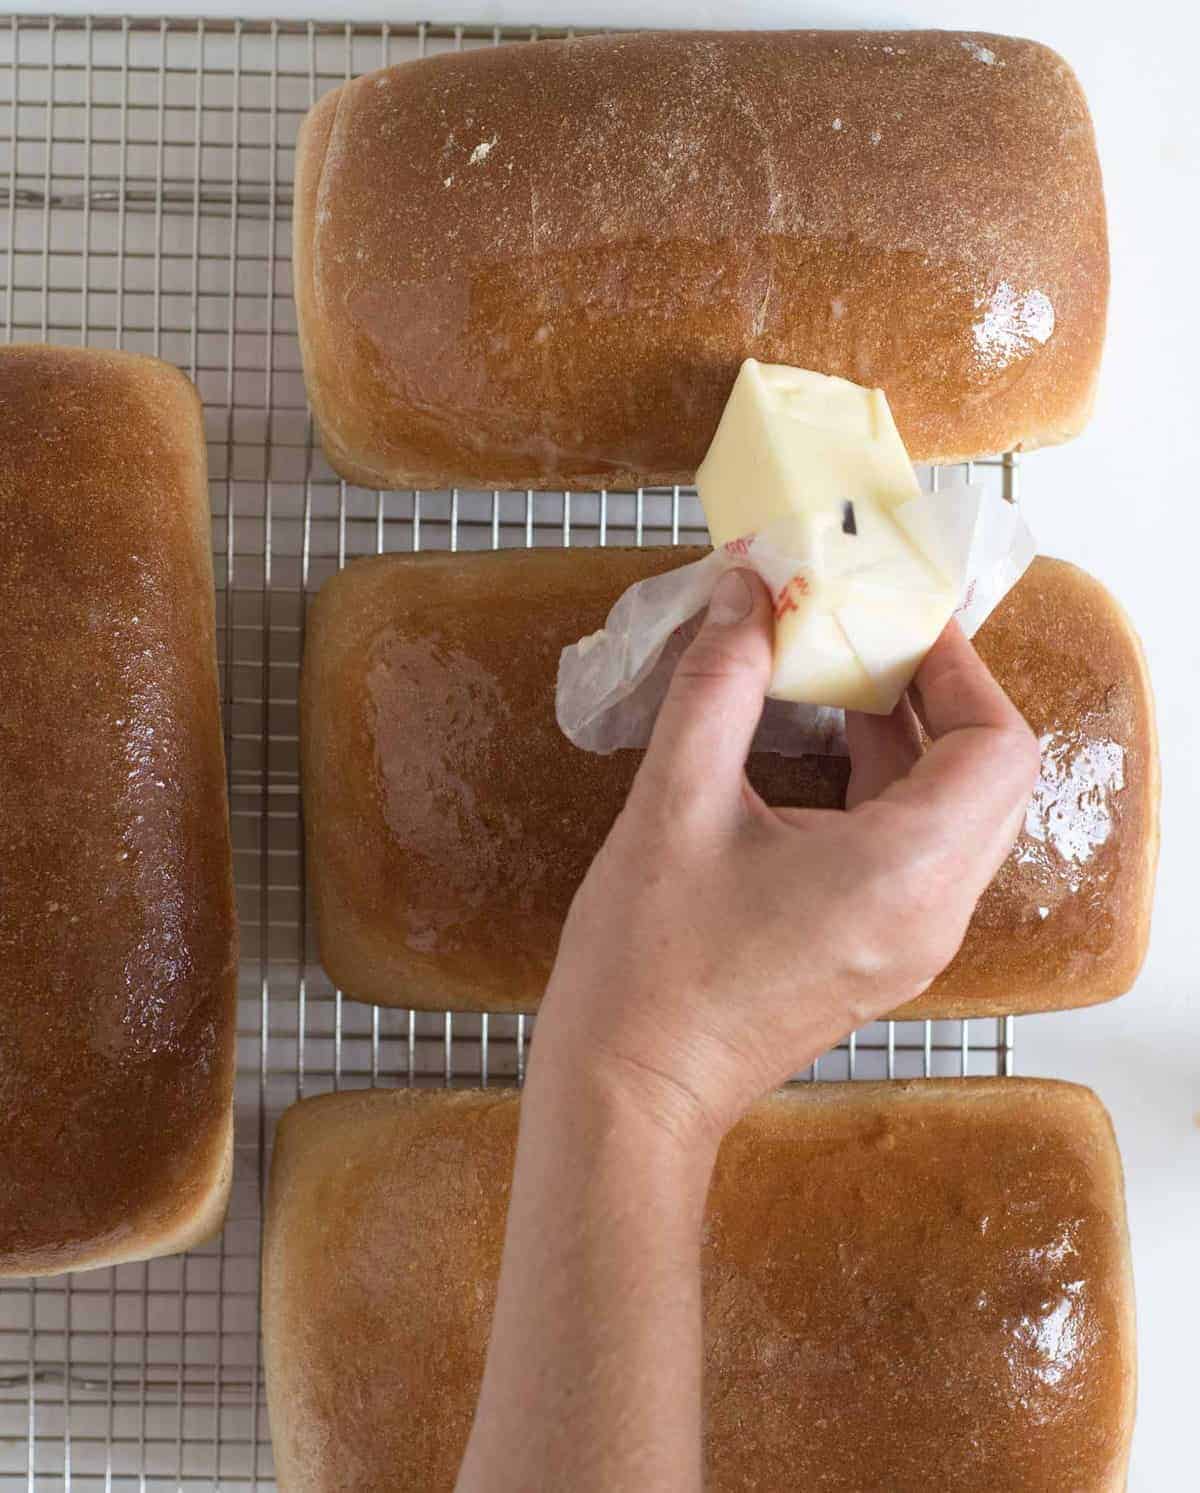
column 612, row 683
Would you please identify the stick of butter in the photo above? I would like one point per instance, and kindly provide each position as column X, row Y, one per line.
column 815, row 468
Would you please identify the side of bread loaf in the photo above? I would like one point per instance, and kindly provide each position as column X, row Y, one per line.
column 921, row 1286
column 541, row 266
column 1066, row 922
column 449, row 822
column 117, row 926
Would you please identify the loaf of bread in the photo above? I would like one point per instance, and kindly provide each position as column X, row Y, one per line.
column 541, row 266
column 921, row 1286
column 449, row 821
column 117, row 932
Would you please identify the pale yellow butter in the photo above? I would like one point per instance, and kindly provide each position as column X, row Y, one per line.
column 791, row 450
column 790, row 441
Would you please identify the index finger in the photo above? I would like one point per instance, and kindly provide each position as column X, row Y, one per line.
column 974, row 782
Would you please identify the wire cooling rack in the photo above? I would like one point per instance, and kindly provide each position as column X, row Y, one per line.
column 145, row 199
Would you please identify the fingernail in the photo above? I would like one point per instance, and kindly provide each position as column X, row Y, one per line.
column 731, row 600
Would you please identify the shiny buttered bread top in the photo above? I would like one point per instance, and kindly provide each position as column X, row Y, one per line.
column 922, row 1287
column 541, row 266
column 449, row 821
column 117, row 932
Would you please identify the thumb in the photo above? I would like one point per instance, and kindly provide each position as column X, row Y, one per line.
column 707, row 721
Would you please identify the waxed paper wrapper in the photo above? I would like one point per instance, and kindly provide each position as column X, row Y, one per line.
column 612, row 683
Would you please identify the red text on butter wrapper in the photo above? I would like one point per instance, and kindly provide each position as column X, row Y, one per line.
column 790, row 597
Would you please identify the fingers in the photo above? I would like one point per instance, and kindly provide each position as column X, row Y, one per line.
column 972, row 786
column 697, row 755
column 883, row 748
column 954, row 688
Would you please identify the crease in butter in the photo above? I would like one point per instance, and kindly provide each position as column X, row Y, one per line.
column 862, row 578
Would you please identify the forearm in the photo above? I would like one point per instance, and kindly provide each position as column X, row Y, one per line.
column 593, row 1378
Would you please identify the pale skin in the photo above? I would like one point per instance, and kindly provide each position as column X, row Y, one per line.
column 715, row 948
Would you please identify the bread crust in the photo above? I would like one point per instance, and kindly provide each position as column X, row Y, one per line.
column 922, row 1286
column 118, row 945
column 449, row 821
column 541, row 266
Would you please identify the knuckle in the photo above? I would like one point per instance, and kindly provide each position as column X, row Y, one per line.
column 939, row 942
column 911, row 916
column 1015, row 760
column 710, row 658
column 899, row 855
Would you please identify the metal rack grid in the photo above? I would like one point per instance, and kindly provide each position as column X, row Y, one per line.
column 145, row 190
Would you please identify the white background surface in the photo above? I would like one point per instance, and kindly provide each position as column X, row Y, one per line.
column 1123, row 501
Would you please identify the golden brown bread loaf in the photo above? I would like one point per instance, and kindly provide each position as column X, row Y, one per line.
column 117, row 933
column 449, row 821
column 541, row 266
column 919, row 1287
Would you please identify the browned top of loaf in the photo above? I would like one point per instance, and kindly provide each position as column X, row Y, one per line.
column 116, row 910
column 450, row 821
column 542, row 265
column 914, row 1286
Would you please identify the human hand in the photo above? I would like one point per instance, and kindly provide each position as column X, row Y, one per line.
column 718, row 945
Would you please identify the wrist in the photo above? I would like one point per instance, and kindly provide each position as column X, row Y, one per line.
column 604, row 1102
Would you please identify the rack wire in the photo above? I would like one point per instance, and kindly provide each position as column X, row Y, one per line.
column 145, row 198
